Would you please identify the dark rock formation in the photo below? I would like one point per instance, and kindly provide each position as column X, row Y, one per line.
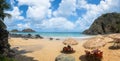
column 28, row 30
column 51, row 38
column 27, row 36
column 14, row 30
column 105, row 24
column 38, row 36
column 16, row 35
column 4, row 45
column 64, row 57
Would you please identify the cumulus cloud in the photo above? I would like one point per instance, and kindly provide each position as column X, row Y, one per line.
column 42, row 17
column 21, row 26
column 16, row 14
column 66, row 8
column 94, row 11
column 37, row 9
column 58, row 23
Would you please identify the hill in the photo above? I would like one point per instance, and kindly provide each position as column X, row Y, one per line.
column 105, row 24
column 28, row 30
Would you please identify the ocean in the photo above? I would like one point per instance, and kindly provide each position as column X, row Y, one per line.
column 56, row 34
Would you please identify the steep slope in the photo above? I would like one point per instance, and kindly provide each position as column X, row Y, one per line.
column 105, row 24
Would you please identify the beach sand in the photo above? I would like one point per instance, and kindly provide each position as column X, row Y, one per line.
column 48, row 50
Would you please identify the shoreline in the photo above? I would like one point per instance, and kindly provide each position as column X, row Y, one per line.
column 29, row 35
column 60, row 38
column 40, row 49
column 51, row 34
column 63, row 38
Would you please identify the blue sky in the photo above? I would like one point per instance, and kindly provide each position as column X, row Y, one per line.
column 57, row 15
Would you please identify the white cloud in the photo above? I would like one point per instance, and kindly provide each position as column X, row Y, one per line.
column 21, row 26
column 33, row 2
column 37, row 9
column 94, row 11
column 66, row 8
column 12, row 2
column 16, row 14
column 58, row 23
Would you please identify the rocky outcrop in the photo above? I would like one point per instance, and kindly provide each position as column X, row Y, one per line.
column 28, row 30
column 38, row 36
column 4, row 45
column 64, row 57
column 105, row 24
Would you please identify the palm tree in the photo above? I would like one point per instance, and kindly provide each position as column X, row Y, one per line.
column 4, row 45
column 3, row 6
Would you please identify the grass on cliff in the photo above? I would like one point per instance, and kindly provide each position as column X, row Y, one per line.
column 2, row 58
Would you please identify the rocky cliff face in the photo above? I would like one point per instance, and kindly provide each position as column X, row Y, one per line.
column 4, row 45
column 105, row 24
column 28, row 30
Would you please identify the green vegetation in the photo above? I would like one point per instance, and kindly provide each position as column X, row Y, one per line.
column 3, row 58
column 3, row 6
column 105, row 24
column 4, row 45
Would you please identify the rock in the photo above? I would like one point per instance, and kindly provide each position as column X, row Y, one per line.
column 51, row 38
column 70, row 41
column 108, row 39
column 105, row 24
column 27, row 36
column 95, row 42
column 16, row 35
column 38, row 36
column 57, row 39
column 28, row 30
column 64, row 57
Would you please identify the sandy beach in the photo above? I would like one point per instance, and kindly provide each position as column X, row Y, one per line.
column 48, row 50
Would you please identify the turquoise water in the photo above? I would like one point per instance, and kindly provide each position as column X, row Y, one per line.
column 54, row 34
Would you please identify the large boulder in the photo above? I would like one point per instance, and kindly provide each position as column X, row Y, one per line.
column 105, row 24
column 95, row 42
column 64, row 57
column 38, row 36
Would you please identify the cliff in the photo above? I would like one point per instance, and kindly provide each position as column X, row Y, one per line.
column 105, row 24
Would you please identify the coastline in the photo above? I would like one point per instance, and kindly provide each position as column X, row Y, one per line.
column 77, row 38
column 54, row 35
column 40, row 49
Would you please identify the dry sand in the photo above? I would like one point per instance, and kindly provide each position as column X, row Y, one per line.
column 47, row 50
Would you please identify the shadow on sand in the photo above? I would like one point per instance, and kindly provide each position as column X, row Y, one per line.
column 24, row 58
column 20, row 57
column 82, row 58
column 67, row 52
column 114, row 47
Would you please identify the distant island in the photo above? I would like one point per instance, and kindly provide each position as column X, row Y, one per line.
column 105, row 24
column 28, row 30
column 14, row 30
column 24, row 30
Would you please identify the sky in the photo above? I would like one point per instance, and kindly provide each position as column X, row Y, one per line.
column 57, row 15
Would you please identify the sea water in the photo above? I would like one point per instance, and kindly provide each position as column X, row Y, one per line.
column 55, row 34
